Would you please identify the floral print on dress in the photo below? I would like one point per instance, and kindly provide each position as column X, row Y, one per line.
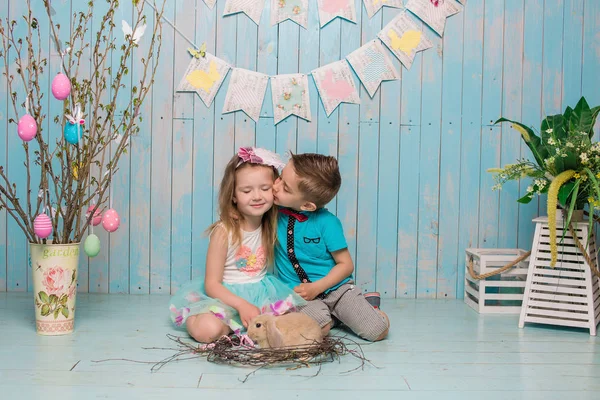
column 250, row 263
column 224, row 316
column 179, row 316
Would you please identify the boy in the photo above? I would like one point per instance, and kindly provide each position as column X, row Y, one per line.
column 312, row 256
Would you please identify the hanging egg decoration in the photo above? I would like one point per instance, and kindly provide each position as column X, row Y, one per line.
column 61, row 86
column 27, row 127
column 72, row 132
column 42, row 226
column 91, row 246
column 97, row 215
column 110, row 220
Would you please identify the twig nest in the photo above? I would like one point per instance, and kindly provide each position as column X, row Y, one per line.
column 27, row 127
column 111, row 220
column 42, row 226
column 61, row 86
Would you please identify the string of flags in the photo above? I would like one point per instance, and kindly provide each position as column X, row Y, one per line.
column 297, row 10
column 335, row 84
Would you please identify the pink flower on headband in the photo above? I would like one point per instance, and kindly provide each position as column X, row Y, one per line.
column 247, row 154
column 257, row 155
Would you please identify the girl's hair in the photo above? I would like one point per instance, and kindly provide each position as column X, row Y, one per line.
column 230, row 217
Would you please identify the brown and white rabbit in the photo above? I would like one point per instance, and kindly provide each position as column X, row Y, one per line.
column 292, row 329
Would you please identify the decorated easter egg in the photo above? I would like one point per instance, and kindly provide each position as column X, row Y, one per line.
column 91, row 246
column 42, row 226
column 72, row 133
column 97, row 215
column 61, row 86
column 110, row 220
column 27, row 127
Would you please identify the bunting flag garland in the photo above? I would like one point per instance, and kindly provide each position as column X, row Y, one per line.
column 372, row 66
column 210, row 3
column 330, row 9
column 295, row 10
column 290, row 96
column 335, row 85
column 204, row 76
column 404, row 38
column 372, row 6
column 434, row 12
column 246, row 92
column 252, row 8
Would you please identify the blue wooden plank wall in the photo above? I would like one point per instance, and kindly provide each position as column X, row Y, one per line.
column 415, row 192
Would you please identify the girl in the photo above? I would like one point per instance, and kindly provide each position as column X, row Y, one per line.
column 241, row 245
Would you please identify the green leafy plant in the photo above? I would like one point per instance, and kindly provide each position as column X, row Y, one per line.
column 566, row 163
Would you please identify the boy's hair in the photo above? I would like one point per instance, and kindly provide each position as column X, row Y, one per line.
column 230, row 217
column 319, row 177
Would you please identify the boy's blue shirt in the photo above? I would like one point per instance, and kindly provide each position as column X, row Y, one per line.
column 314, row 241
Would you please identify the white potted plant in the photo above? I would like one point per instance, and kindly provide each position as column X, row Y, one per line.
column 72, row 172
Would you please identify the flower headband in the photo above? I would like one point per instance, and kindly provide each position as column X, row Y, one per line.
column 256, row 155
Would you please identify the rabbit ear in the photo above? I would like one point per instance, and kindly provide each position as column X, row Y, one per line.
column 274, row 335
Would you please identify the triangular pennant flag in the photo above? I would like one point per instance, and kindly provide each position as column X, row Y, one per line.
column 434, row 12
column 373, row 65
column 246, row 92
column 372, row 6
column 290, row 96
column 210, row 3
column 252, row 8
column 330, row 9
column 295, row 10
column 404, row 38
column 204, row 76
column 335, row 85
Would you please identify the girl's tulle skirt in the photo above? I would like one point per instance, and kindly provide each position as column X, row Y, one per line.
column 269, row 294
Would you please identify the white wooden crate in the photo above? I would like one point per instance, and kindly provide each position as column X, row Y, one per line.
column 567, row 294
column 498, row 294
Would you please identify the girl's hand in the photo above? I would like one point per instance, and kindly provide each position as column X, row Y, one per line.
column 247, row 312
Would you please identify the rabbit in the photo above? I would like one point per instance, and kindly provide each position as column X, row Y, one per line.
column 292, row 329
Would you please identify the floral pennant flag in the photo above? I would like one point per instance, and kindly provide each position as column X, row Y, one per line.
column 210, row 3
column 330, row 9
column 295, row 10
column 434, row 12
column 252, row 8
column 290, row 96
column 335, row 85
column 372, row 6
column 373, row 65
column 246, row 92
column 404, row 38
column 204, row 76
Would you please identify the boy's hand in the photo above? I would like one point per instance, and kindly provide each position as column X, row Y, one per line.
column 308, row 291
column 247, row 313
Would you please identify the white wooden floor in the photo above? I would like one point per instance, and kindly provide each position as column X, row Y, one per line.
column 436, row 350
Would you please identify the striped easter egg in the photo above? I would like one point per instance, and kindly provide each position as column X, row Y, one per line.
column 42, row 226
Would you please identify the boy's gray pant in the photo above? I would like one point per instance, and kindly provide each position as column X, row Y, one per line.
column 348, row 305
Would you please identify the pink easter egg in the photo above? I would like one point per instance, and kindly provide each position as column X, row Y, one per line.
column 61, row 86
column 27, row 127
column 97, row 215
column 110, row 220
column 42, row 226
